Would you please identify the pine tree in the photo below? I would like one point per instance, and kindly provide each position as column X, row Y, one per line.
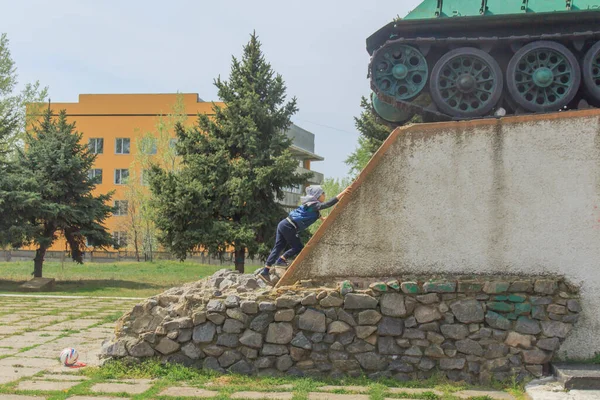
column 50, row 180
column 234, row 167
column 372, row 135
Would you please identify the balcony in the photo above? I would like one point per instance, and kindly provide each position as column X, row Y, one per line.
column 316, row 179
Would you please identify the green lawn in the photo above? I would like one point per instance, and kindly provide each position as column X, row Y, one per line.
column 121, row 279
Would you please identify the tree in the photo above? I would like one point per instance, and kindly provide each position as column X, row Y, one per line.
column 372, row 135
column 156, row 147
column 14, row 115
column 13, row 121
column 234, row 166
column 374, row 131
column 51, row 178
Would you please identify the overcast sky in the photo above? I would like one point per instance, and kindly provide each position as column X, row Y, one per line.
column 83, row 46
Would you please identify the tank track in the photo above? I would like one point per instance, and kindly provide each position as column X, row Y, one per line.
column 430, row 113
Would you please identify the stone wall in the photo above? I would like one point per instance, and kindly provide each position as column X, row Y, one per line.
column 517, row 195
column 471, row 328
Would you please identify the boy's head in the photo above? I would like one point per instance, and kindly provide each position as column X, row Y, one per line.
column 316, row 191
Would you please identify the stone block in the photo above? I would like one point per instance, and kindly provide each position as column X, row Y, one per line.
column 392, row 305
column 410, row 287
column 469, row 286
column 369, row 317
column 390, row 327
column 425, row 314
column 500, row 306
column 331, row 300
column 497, row 321
column 517, row 298
column 494, row 287
column 467, row 311
column 545, row 286
column 280, row 333
column 452, row 363
column 167, row 346
column 556, row 329
column 287, row 302
column 439, row 287
column 252, row 339
column 312, row 320
column 455, row 332
column 356, row 301
column 285, row 315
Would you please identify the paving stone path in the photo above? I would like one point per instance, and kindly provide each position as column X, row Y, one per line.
column 34, row 329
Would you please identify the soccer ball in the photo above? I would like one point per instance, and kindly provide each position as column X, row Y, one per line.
column 68, row 357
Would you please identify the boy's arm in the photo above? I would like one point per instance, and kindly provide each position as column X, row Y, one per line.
column 331, row 202
column 327, row 204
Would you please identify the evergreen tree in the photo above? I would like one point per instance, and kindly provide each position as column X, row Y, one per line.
column 51, row 193
column 234, row 166
column 374, row 131
column 372, row 135
column 13, row 114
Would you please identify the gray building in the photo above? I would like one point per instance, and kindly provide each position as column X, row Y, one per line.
column 303, row 149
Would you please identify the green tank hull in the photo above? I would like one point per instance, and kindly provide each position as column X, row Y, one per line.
column 491, row 58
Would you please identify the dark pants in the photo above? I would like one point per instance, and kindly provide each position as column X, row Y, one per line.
column 286, row 235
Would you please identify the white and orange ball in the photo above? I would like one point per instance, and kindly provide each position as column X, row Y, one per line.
column 69, row 356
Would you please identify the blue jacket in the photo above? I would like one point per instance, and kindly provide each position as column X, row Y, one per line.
column 306, row 215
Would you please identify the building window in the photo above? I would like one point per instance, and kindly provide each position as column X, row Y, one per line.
column 173, row 145
column 148, row 145
column 120, row 208
column 297, row 189
column 145, row 177
column 301, row 163
column 96, row 145
column 95, row 173
column 121, row 176
column 120, row 239
column 122, row 146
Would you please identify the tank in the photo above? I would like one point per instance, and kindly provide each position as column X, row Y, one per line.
column 464, row 59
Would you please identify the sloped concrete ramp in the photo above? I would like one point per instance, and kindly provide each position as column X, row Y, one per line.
column 518, row 195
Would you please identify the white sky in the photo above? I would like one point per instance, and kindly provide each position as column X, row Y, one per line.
column 155, row 46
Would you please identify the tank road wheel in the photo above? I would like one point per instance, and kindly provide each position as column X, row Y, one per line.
column 591, row 72
column 466, row 82
column 399, row 71
column 543, row 76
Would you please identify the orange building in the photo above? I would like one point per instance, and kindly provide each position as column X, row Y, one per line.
column 114, row 124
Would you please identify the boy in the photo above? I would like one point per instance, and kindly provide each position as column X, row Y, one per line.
column 289, row 228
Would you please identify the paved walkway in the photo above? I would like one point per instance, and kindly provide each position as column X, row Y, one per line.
column 34, row 329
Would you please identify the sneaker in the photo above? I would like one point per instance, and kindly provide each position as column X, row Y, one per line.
column 264, row 274
column 281, row 263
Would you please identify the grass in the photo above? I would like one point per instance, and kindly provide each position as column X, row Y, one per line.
column 120, row 279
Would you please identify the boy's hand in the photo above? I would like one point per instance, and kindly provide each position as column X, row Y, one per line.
column 323, row 218
column 346, row 191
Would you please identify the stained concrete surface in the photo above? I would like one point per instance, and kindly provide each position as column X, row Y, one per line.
column 520, row 195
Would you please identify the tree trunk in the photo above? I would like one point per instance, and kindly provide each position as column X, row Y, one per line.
column 240, row 254
column 38, row 262
column 135, row 244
